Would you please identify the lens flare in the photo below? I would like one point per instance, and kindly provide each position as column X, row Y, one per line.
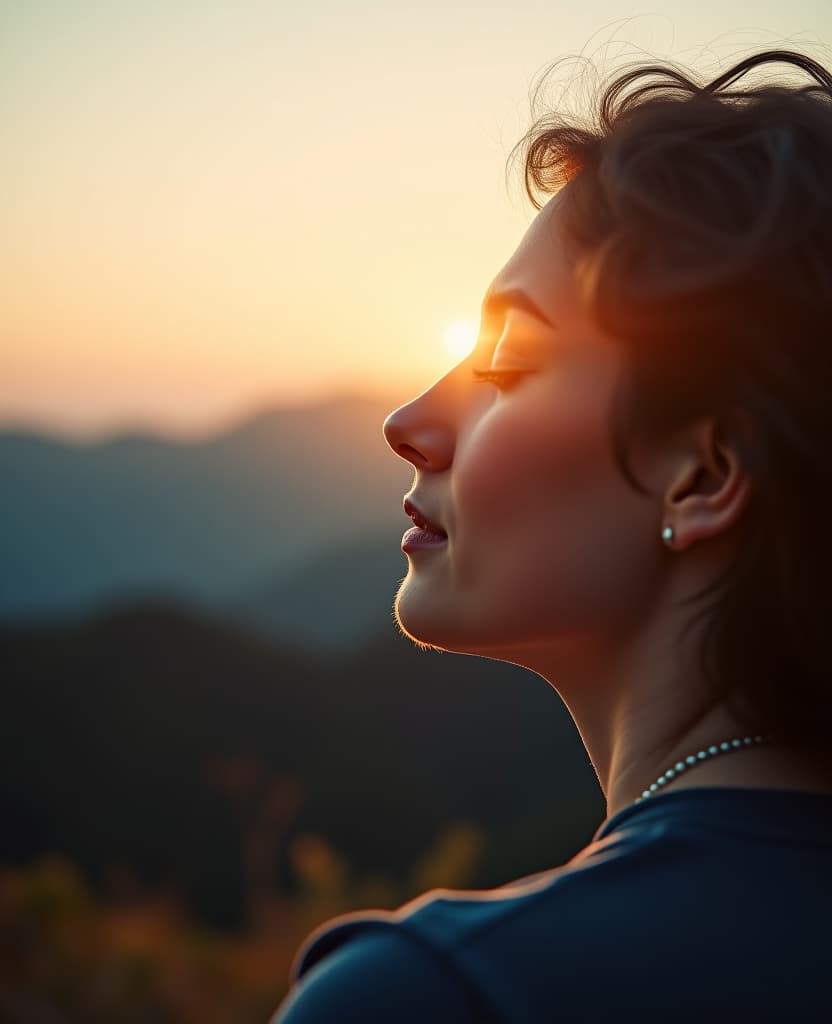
column 460, row 338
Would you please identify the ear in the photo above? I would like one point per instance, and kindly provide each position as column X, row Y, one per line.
column 708, row 487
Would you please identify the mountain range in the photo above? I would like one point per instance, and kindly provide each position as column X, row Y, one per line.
column 277, row 522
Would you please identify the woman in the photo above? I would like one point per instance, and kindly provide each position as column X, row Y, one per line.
column 625, row 489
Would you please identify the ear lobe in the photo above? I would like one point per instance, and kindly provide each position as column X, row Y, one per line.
column 710, row 492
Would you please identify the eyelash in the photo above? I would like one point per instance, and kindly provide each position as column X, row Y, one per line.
column 503, row 379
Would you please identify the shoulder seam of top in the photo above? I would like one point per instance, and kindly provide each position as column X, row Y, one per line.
column 514, row 905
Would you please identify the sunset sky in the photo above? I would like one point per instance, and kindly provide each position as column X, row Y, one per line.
column 208, row 206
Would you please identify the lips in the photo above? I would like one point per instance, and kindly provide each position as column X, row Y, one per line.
column 421, row 520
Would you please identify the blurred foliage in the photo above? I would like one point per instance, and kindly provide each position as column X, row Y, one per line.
column 65, row 957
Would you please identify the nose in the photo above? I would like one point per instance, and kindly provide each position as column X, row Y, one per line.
column 417, row 433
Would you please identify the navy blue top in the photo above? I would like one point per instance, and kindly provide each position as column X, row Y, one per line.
column 706, row 904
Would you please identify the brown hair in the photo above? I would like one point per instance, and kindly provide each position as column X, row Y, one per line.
column 700, row 222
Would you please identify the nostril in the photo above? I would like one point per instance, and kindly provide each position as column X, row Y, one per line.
column 407, row 451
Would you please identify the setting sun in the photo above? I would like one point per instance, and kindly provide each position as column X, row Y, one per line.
column 460, row 338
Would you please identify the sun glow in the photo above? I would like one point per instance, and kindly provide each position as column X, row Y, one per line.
column 460, row 338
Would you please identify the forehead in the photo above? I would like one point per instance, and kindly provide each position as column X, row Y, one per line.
column 539, row 265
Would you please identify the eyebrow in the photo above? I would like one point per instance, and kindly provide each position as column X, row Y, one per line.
column 497, row 302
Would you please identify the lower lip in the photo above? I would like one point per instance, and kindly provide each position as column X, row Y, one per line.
column 416, row 539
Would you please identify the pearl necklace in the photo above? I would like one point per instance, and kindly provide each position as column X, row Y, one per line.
column 703, row 755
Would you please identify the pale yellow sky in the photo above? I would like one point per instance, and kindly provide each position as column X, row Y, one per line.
column 211, row 206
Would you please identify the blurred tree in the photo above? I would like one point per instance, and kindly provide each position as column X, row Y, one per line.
column 452, row 861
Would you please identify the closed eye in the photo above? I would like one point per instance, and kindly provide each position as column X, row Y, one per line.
column 503, row 379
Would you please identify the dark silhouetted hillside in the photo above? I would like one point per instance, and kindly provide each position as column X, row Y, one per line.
column 152, row 738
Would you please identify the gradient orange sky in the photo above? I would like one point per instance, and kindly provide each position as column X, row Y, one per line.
column 212, row 206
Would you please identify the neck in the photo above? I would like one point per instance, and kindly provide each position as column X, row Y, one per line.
column 643, row 723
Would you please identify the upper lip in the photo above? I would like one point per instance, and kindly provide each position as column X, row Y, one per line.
column 420, row 519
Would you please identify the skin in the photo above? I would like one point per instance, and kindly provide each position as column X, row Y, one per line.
column 553, row 561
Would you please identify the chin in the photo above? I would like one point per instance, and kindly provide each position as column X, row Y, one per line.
column 422, row 621
column 422, row 630
column 427, row 622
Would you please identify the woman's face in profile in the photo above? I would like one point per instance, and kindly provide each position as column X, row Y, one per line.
column 546, row 542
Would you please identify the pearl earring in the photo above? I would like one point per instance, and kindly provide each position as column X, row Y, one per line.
column 667, row 535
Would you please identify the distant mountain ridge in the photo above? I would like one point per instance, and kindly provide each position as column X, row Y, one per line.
column 334, row 601
column 212, row 520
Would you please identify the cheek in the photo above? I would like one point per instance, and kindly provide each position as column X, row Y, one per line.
column 545, row 524
column 525, row 463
